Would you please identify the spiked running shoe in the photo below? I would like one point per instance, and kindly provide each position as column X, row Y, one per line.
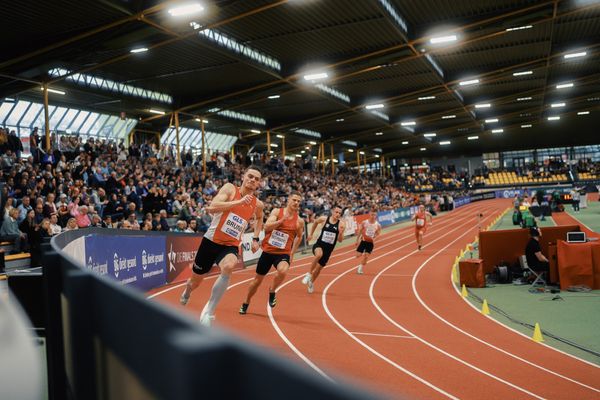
column 272, row 299
column 359, row 270
column 207, row 320
column 310, row 287
column 306, row 278
column 183, row 300
column 244, row 308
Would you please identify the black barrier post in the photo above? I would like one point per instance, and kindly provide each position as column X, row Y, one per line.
column 78, row 287
column 55, row 356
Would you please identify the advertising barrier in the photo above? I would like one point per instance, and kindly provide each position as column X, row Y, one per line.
column 131, row 260
column 247, row 253
column 461, row 201
column 181, row 252
column 386, row 218
column 485, row 196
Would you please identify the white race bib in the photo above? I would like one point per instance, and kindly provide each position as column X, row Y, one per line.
column 328, row 237
column 370, row 232
column 278, row 239
column 234, row 226
column 420, row 222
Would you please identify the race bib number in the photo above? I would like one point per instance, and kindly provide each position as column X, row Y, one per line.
column 328, row 237
column 278, row 239
column 420, row 222
column 370, row 232
column 234, row 226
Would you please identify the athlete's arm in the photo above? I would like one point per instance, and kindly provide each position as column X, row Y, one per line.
column 259, row 225
column 272, row 221
column 430, row 218
column 377, row 231
column 360, row 233
column 342, row 229
column 297, row 239
column 222, row 201
column 317, row 222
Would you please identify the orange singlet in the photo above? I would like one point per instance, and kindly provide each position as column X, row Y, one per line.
column 280, row 240
column 369, row 230
column 420, row 221
column 227, row 227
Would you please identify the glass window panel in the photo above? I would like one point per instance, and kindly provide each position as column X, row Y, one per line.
column 85, row 127
column 107, row 129
column 39, row 121
column 17, row 113
column 97, row 125
column 78, row 121
column 117, row 130
column 56, row 117
column 185, row 136
column 5, row 110
column 67, row 120
column 31, row 115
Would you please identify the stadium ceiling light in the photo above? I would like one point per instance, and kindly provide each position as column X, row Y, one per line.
column 254, row 131
column 445, row 143
column 274, row 145
column 299, row 155
column 423, row 149
column 473, row 138
column 374, row 106
column 139, row 50
column 583, row 113
column 376, row 155
column 564, row 85
column 497, row 130
column 201, row 120
column 522, row 73
column 448, row 116
column 378, row 133
column 351, row 150
column 159, row 112
column 518, row 28
column 186, row 9
column 280, row 136
column 302, row 152
column 315, row 76
column 443, row 39
column 339, row 120
column 491, row 120
column 526, row 126
column 405, row 142
column 408, row 123
column 9, row 100
column 575, row 55
column 427, row 98
column 313, row 143
column 553, row 118
column 524, row 98
column 274, row 96
column 469, row 82
column 362, row 153
column 555, row 105
column 54, row 91
column 430, row 134
column 483, row 105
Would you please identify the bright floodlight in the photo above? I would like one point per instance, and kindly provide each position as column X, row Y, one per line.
column 139, row 50
column 473, row 138
column 553, row 118
column 362, row 153
column 408, row 123
column 575, row 55
column 564, row 85
column 254, row 131
column 555, row 105
column 583, row 113
column 427, row 98
column 274, row 145
column 522, row 73
column 339, row 120
column 524, row 98
column 280, row 136
column 378, row 133
column 443, row 39
column 448, row 116
column 469, row 82
column 53, row 91
column 483, row 105
column 430, row 134
column 159, row 112
column 526, row 126
column 405, row 142
column 497, row 130
column 518, row 28
column 274, row 96
column 374, row 106
column 491, row 120
column 313, row 143
column 445, row 143
column 351, row 150
column 316, row 76
column 186, row 9
column 423, row 149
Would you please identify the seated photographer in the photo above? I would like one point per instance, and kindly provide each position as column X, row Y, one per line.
column 533, row 253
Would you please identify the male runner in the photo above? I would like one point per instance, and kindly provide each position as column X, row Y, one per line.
column 420, row 218
column 332, row 232
column 283, row 234
column 232, row 208
column 368, row 231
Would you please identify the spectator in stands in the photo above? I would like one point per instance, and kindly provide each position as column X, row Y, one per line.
column 181, row 226
column 193, row 226
column 163, row 223
column 533, row 252
column 55, row 228
column 71, row 225
column 24, row 208
column 133, row 222
column 9, row 231
column 9, row 205
column 205, row 220
column 576, row 199
column 81, row 215
column 62, row 208
column 39, row 211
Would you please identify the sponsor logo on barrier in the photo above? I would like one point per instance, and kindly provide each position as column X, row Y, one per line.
column 124, row 264
column 181, row 253
column 101, row 269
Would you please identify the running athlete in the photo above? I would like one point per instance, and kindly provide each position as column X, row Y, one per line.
column 283, row 233
column 420, row 218
column 368, row 231
column 232, row 208
column 332, row 232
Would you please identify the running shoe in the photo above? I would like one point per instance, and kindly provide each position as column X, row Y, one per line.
column 244, row 308
column 183, row 300
column 306, row 278
column 310, row 287
column 206, row 320
column 272, row 299
column 419, row 247
column 359, row 270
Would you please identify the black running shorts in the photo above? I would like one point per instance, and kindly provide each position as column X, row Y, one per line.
column 365, row 247
column 210, row 253
column 327, row 250
column 268, row 260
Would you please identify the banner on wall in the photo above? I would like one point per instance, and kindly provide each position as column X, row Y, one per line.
column 247, row 253
column 461, row 201
column 181, row 253
column 131, row 260
column 484, row 196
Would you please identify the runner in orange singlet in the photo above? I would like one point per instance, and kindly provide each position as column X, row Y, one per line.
column 232, row 208
column 420, row 218
column 368, row 231
column 283, row 229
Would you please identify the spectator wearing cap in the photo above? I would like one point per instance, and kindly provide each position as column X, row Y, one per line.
column 533, row 252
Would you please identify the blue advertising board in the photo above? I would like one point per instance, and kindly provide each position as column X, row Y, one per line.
column 461, row 201
column 131, row 260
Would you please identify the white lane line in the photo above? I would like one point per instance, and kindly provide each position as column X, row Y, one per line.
column 382, row 335
column 431, row 345
column 280, row 332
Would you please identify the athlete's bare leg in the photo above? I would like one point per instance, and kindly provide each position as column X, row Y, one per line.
column 282, row 269
column 191, row 284
column 419, row 234
column 227, row 264
column 254, row 287
column 315, row 261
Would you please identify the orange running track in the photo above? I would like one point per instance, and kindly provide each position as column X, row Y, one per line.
column 401, row 328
